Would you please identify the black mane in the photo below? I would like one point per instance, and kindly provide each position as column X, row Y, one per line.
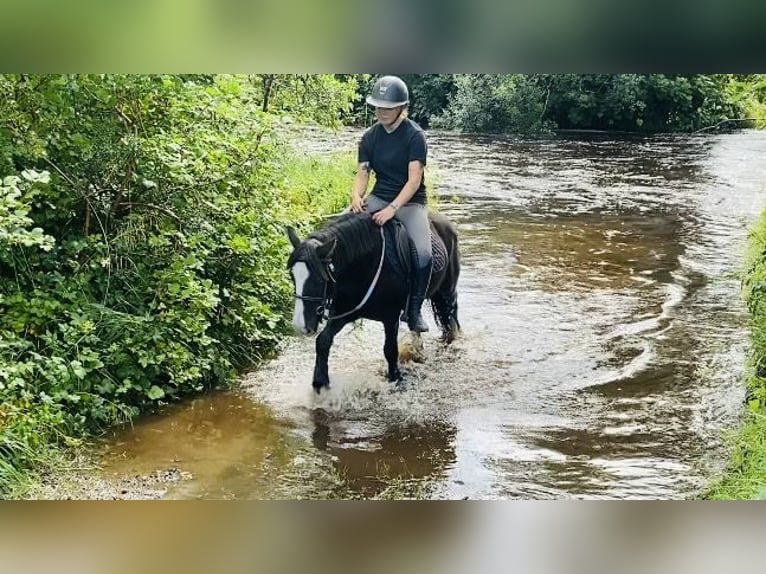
column 356, row 234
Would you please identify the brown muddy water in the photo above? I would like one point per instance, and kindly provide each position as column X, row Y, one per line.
column 602, row 351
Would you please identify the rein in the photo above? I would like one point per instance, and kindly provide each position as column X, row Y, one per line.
column 324, row 308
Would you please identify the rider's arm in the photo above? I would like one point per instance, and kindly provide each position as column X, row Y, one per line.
column 414, row 177
column 361, row 181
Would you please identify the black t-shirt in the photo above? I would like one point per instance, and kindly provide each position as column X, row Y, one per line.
column 389, row 155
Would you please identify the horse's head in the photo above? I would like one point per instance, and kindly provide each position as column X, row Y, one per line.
column 311, row 269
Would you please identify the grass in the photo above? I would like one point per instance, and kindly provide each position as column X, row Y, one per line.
column 22, row 465
column 313, row 187
column 745, row 476
column 31, row 442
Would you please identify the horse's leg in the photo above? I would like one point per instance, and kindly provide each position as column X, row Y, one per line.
column 448, row 299
column 445, row 305
column 453, row 326
column 323, row 344
column 391, row 348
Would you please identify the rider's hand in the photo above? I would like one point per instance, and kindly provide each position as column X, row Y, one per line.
column 384, row 215
column 357, row 205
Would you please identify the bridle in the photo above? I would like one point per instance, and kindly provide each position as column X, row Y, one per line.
column 326, row 300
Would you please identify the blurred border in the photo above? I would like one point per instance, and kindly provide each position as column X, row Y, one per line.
column 680, row 36
column 424, row 537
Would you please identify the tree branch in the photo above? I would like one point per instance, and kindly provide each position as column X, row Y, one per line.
column 61, row 173
column 159, row 208
column 727, row 121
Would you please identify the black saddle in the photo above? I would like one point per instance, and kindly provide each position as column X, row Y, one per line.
column 399, row 248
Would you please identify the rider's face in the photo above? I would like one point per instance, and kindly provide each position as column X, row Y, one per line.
column 388, row 116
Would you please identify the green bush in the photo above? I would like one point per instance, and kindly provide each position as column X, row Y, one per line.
column 495, row 104
column 536, row 103
column 142, row 247
column 749, row 92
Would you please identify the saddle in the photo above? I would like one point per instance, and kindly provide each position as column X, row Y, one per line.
column 399, row 249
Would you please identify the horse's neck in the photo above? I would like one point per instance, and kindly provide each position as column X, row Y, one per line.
column 349, row 254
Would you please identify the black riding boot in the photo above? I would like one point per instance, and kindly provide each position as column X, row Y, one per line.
column 415, row 321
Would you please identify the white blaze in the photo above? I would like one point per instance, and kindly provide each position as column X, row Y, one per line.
column 300, row 274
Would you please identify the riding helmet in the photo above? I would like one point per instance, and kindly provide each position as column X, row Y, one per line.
column 389, row 92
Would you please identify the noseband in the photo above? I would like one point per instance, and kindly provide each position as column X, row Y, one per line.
column 325, row 300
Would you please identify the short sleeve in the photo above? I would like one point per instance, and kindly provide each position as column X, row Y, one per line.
column 418, row 147
column 364, row 154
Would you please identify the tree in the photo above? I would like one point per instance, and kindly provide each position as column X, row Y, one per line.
column 496, row 104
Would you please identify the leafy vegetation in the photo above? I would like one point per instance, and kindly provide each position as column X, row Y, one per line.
column 496, row 103
column 430, row 94
column 644, row 103
column 536, row 104
column 141, row 241
column 749, row 92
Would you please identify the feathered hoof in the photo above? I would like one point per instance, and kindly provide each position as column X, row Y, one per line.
column 412, row 349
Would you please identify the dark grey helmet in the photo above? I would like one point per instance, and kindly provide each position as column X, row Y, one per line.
column 389, row 92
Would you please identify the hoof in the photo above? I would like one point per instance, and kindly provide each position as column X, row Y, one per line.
column 319, row 385
column 411, row 350
column 449, row 336
column 399, row 386
column 395, row 377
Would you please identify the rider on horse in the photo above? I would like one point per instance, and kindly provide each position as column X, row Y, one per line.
column 395, row 149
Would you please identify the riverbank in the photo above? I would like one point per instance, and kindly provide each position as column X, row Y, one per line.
column 745, row 476
column 87, row 483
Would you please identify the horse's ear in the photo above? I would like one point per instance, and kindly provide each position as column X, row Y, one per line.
column 293, row 236
column 325, row 250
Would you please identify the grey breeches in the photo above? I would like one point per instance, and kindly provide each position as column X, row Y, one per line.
column 414, row 217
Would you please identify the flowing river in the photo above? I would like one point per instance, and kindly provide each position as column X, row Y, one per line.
column 602, row 353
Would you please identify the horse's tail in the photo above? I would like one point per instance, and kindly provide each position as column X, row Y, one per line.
column 444, row 300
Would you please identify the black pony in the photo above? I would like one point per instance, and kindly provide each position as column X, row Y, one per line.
column 341, row 274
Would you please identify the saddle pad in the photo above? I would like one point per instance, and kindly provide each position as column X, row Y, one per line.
column 439, row 252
